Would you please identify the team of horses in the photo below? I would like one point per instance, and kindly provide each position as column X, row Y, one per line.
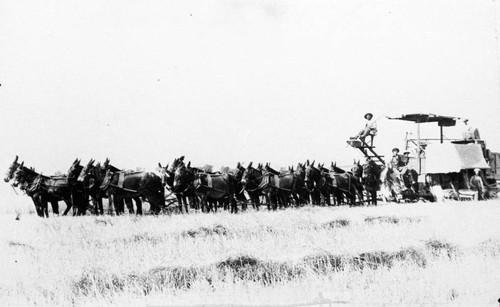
column 84, row 187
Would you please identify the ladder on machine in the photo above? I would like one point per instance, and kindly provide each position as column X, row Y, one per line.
column 367, row 150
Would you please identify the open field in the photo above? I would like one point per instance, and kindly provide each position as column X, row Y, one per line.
column 411, row 253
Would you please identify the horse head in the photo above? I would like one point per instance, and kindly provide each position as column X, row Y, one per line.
column 357, row 170
column 239, row 171
column 176, row 163
column 300, row 171
column 12, row 169
column 312, row 175
column 22, row 175
column 270, row 170
column 183, row 176
column 85, row 171
column 250, row 175
column 74, row 171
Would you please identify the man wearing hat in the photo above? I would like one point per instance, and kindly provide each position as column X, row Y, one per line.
column 476, row 183
column 370, row 128
column 470, row 133
column 405, row 159
column 396, row 159
column 398, row 163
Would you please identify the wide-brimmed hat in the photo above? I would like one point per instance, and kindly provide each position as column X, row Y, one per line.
column 395, row 149
column 477, row 170
column 368, row 114
column 406, row 152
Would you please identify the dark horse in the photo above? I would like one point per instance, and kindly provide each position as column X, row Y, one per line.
column 370, row 179
column 286, row 184
column 216, row 187
column 91, row 178
column 181, row 193
column 27, row 182
column 318, row 183
column 299, row 185
column 79, row 196
column 240, row 190
column 255, row 182
column 348, row 183
column 120, row 185
column 43, row 189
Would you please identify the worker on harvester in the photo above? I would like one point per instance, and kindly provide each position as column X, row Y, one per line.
column 398, row 163
column 369, row 130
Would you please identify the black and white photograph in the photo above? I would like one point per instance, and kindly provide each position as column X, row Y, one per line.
column 250, row 153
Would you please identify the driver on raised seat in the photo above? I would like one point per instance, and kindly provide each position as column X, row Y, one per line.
column 369, row 130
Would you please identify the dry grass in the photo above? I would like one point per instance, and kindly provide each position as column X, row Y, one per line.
column 411, row 253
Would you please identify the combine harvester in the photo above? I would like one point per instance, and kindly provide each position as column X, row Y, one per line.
column 444, row 163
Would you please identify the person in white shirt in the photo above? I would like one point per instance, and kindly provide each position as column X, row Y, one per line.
column 470, row 133
column 370, row 129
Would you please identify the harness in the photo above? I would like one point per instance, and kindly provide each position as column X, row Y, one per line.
column 210, row 182
column 269, row 183
column 349, row 176
column 106, row 183
column 276, row 182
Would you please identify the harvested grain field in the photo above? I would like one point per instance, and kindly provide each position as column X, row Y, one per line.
column 392, row 253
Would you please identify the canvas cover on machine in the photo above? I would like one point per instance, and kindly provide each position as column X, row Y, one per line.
column 451, row 158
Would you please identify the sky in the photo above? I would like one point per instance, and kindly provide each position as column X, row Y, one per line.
column 227, row 81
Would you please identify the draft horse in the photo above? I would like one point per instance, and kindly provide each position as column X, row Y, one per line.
column 122, row 185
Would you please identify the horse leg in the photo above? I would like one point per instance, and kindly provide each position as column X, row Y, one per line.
column 138, row 204
column 37, row 207
column 45, row 208
column 186, row 203
column 326, row 196
column 158, row 200
column 54, row 204
column 84, row 203
column 118, row 204
column 179, row 201
column 253, row 201
column 130, row 205
column 286, row 200
column 234, row 206
column 257, row 202
column 317, row 196
column 101, row 207
column 296, row 199
column 75, row 199
column 353, row 199
column 279, row 200
column 274, row 201
column 111, row 204
column 208, row 204
column 68, row 206
column 95, row 204
column 268, row 201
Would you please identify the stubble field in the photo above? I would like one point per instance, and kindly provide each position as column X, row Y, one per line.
column 393, row 253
